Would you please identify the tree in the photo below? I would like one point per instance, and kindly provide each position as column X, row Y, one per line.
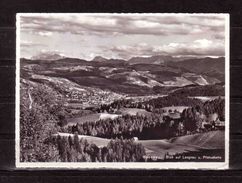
column 77, row 145
column 62, row 118
column 70, row 141
column 189, row 118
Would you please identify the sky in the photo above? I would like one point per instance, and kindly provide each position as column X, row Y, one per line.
column 122, row 36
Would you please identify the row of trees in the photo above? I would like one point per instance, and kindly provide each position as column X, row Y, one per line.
column 73, row 149
column 150, row 105
column 173, row 101
column 126, row 126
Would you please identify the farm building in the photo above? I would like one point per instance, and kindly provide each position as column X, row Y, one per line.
column 174, row 109
column 214, row 125
column 175, row 116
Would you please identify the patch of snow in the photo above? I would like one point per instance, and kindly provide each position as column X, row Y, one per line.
column 153, row 83
column 180, row 81
column 107, row 70
column 201, row 81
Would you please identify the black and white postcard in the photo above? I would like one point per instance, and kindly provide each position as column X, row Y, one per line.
column 122, row 91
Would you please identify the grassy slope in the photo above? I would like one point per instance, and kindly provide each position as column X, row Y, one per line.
column 90, row 118
column 134, row 111
column 209, row 140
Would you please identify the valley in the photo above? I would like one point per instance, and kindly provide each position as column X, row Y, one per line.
column 158, row 105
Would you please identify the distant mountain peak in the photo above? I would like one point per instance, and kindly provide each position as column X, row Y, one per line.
column 48, row 56
column 156, row 59
column 99, row 59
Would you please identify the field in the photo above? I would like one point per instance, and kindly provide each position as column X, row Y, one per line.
column 102, row 116
column 206, row 98
column 133, row 111
column 91, row 118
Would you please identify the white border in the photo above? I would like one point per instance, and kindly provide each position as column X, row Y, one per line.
column 138, row 165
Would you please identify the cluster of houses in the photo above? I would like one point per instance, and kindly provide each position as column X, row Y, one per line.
column 172, row 114
column 89, row 98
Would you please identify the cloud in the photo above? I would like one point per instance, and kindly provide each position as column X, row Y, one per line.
column 133, row 24
column 29, row 44
column 201, row 47
column 48, row 55
column 123, row 36
column 219, row 36
column 45, row 33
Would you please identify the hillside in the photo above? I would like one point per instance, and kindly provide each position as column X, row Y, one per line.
column 209, row 140
column 196, row 142
column 133, row 111
column 202, row 65
column 157, row 59
column 136, row 76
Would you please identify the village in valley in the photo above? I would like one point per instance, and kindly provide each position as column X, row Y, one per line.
column 122, row 88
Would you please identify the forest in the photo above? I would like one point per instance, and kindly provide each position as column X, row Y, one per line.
column 209, row 90
column 117, row 150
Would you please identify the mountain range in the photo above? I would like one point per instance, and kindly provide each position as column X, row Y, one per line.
column 138, row 75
